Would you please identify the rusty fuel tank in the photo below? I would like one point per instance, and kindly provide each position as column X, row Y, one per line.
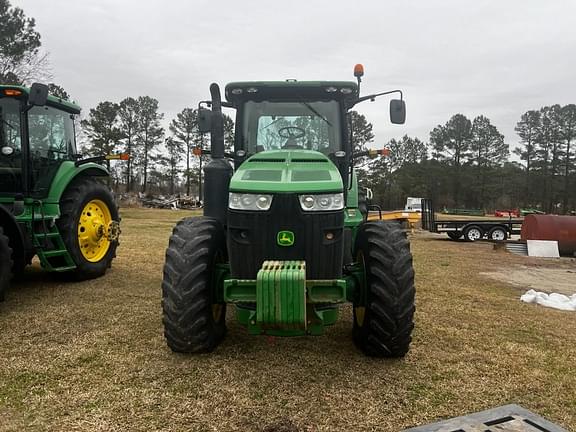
column 552, row 227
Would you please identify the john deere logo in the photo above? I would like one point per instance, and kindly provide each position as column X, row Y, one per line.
column 285, row 238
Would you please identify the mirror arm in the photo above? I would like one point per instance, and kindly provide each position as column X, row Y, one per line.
column 208, row 104
column 374, row 96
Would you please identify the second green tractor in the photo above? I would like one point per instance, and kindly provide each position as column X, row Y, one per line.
column 284, row 238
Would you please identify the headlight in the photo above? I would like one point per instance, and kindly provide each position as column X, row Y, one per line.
column 325, row 202
column 244, row 201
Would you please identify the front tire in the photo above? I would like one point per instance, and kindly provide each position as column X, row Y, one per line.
column 383, row 320
column 5, row 264
column 193, row 321
column 88, row 214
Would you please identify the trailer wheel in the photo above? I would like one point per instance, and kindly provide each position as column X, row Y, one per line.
column 193, row 321
column 454, row 235
column 89, row 226
column 383, row 318
column 498, row 234
column 5, row 263
column 473, row 233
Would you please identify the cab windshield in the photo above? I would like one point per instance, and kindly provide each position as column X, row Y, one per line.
column 292, row 125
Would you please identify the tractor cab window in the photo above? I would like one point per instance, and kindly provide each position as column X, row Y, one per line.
column 51, row 137
column 292, row 125
column 10, row 146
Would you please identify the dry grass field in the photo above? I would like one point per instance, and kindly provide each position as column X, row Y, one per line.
column 91, row 356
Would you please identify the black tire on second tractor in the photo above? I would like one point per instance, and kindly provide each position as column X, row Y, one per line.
column 193, row 321
column 73, row 202
column 384, row 320
column 5, row 264
column 454, row 235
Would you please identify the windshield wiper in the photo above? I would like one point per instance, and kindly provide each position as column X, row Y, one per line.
column 314, row 111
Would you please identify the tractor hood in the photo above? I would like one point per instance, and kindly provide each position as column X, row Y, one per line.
column 286, row 171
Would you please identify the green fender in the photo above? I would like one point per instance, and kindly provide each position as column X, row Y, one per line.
column 352, row 199
column 67, row 172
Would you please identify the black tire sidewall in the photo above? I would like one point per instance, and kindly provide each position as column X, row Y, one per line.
column 188, row 249
column 82, row 191
column 377, row 260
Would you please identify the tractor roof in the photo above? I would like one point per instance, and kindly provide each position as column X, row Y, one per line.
column 52, row 100
column 291, row 90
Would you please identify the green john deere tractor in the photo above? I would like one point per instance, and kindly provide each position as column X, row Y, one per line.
column 284, row 237
column 52, row 203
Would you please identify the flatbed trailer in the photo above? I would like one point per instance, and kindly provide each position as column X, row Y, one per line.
column 471, row 229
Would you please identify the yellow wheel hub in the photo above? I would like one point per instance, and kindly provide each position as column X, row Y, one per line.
column 93, row 226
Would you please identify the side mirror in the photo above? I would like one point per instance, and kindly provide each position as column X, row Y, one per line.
column 204, row 120
column 38, row 94
column 397, row 111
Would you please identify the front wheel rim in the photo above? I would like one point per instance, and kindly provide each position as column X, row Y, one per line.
column 93, row 225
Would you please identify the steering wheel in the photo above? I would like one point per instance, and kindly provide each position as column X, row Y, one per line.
column 293, row 132
column 9, row 168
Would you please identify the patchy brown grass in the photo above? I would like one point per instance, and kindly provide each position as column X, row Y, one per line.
column 91, row 356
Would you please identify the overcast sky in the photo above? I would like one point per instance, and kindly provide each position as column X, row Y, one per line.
column 497, row 58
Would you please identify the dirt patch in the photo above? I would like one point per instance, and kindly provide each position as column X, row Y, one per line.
column 549, row 280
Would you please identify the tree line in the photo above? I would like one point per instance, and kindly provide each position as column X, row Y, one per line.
column 134, row 126
column 468, row 164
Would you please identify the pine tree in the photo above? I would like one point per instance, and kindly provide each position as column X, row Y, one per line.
column 20, row 57
column 185, row 130
column 150, row 132
column 451, row 143
column 127, row 114
column 101, row 129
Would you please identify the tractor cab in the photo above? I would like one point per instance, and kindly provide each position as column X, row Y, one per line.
column 289, row 115
column 34, row 141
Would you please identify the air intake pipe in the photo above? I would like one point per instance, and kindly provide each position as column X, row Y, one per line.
column 218, row 172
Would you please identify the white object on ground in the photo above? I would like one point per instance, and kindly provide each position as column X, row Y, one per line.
column 543, row 248
column 554, row 300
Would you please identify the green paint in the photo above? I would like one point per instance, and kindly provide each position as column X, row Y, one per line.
column 285, row 238
column 287, row 171
column 285, row 302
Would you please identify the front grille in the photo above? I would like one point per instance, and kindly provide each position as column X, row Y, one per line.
column 252, row 239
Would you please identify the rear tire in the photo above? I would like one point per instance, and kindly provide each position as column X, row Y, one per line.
column 5, row 264
column 193, row 321
column 473, row 233
column 73, row 203
column 383, row 322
